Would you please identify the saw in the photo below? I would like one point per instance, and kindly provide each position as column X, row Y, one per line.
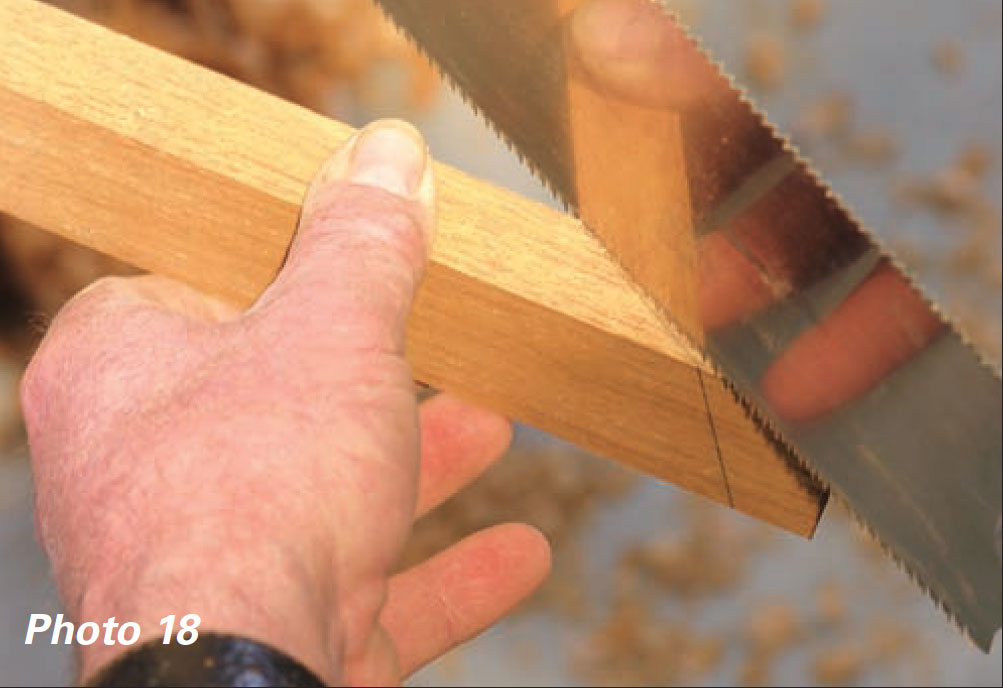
column 733, row 237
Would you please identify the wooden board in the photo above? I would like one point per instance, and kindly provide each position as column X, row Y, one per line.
column 184, row 172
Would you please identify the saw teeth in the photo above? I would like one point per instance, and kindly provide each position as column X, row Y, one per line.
column 808, row 167
column 774, row 434
column 566, row 205
column 805, row 164
column 806, row 468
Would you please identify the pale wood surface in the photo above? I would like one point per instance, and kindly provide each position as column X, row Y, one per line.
column 183, row 172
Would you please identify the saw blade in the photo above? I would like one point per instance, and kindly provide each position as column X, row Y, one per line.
column 732, row 236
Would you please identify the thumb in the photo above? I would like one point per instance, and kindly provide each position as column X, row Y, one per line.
column 360, row 248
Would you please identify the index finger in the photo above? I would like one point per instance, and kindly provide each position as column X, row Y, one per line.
column 632, row 49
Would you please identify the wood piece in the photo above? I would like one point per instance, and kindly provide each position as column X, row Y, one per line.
column 181, row 171
column 644, row 217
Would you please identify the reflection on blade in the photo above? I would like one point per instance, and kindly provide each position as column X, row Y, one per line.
column 620, row 113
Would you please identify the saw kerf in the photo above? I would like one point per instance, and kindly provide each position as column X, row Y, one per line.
column 184, row 172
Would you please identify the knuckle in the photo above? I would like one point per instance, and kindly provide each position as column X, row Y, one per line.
column 357, row 217
column 33, row 391
column 46, row 378
column 100, row 294
column 352, row 273
column 99, row 330
column 101, row 299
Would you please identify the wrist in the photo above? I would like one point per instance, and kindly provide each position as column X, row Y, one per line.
column 217, row 660
column 254, row 590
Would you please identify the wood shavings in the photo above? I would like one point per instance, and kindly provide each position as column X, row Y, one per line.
column 956, row 190
column 562, row 593
column 972, row 254
column 828, row 116
column 50, row 269
column 840, row 665
column 871, row 147
column 947, row 58
column 950, row 192
column 975, row 160
column 704, row 558
column 690, row 568
column 633, row 647
column 889, row 642
column 765, row 62
column 756, row 669
column 831, row 604
column 773, row 627
column 807, row 14
column 770, row 630
column 830, row 119
column 885, row 643
column 970, row 263
column 298, row 49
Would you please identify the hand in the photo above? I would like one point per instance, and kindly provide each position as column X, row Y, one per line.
column 261, row 469
column 630, row 51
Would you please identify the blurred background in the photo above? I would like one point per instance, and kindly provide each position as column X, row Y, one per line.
column 897, row 102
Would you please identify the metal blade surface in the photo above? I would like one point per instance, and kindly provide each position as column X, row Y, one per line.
column 734, row 238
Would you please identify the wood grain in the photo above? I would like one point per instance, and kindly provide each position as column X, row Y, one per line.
column 184, row 172
column 644, row 216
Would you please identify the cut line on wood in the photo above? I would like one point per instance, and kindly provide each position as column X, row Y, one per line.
column 187, row 173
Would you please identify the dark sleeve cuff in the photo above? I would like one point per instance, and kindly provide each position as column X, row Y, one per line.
column 212, row 660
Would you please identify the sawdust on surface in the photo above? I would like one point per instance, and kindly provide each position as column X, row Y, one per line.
column 839, row 665
column 828, row 116
column 807, row 14
column 831, row 604
column 948, row 58
column 873, row 147
column 771, row 631
column 635, row 646
column 705, row 558
column 297, row 49
column 765, row 62
column 958, row 197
